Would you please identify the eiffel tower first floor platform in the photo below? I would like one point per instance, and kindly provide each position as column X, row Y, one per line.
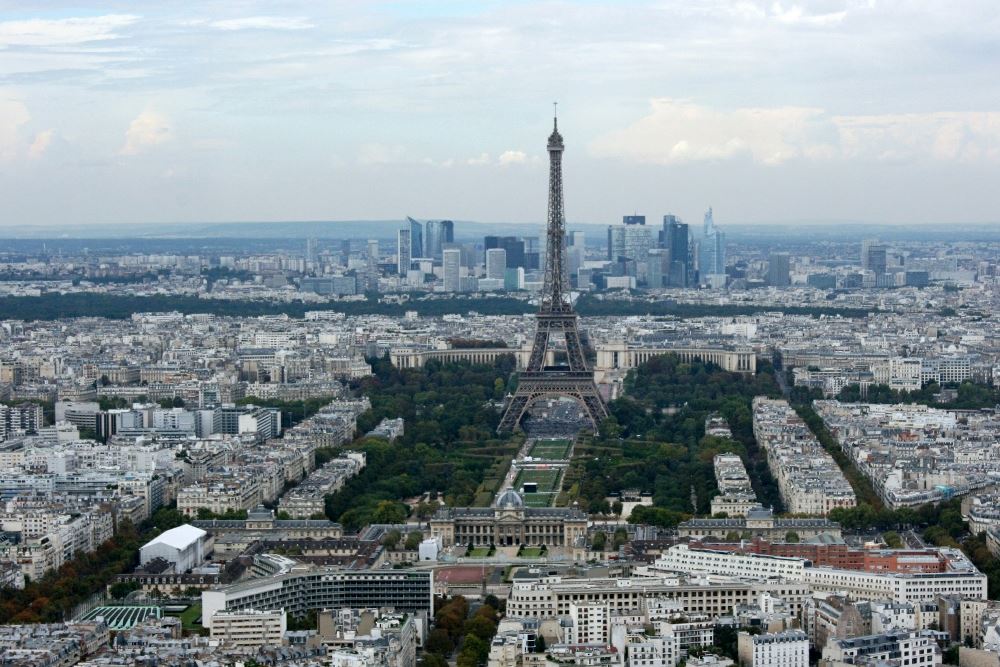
column 535, row 385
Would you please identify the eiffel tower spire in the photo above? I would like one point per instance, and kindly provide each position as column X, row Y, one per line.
column 555, row 316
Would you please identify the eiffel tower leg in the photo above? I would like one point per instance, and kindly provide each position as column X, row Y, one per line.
column 596, row 409
column 515, row 410
column 574, row 350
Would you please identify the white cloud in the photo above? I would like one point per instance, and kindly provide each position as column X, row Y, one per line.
column 796, row 15
column 964, row 136
column 481, row 159
column 677, row 132
column 264, row 23
column 13, row 114
column 147, row 129
column 512, row 157
column 41, row 143
column 59, row 32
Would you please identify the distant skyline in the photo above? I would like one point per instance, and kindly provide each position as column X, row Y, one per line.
column 149, row 112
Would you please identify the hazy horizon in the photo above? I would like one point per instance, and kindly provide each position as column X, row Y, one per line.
column 140, row 113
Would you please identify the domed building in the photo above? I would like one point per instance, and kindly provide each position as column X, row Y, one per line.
column 509, row 522
column 509, row 499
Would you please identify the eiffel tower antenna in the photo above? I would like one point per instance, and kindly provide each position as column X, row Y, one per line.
column 555, row 316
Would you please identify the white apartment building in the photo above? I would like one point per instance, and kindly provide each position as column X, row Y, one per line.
column 961, row 578
column 781, row 649
column 549, row 597
column 249, row 628
column 681, row 558
column 902, row 647
column 589, row 623
column 899, row 373
column 220, row 496
column 899, row 586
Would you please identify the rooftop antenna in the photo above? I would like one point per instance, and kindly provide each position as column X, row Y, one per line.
column 555, row 115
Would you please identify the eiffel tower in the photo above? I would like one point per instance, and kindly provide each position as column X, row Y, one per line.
column 555, row 316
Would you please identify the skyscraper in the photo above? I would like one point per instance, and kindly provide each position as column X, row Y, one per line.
column 311, row 252
column 534, row 253
column 416, row 238
column 512, row 245
column 576, row 253
column 712, row 252
column 874, row 256
column 675, row 240
column 779, row 270
column 629, row 242
column 403, row 257
column 633, row 219
column 437, row 233
column 452, row 263
column 447, row 231
column 496, row 263
column 432, row 239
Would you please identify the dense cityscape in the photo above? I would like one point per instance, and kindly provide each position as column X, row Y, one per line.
column 762, row 435
column 322, row 481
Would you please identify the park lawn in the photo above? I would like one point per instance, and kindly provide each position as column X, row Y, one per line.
column 190, row 616
column 531, row 552
column 547, row 480
column 479, row 552
column 550, row 449
column 538, row 499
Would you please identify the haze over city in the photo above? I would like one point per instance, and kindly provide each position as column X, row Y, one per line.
column 142, row 113
column 500, row 334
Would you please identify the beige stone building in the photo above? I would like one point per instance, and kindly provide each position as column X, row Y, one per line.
column 509, row 523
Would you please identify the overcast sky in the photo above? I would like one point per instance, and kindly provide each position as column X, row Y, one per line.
column 145, row 112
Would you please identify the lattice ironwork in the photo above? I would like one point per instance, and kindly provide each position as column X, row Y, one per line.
column 555, row 316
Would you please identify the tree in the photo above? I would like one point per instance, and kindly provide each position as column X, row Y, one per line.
column 438, row 641
column 620, row 538
column 474, row 651
column 432, row 660
column 599, row 541
column 481, row 627
column 892, row 539
column 166, row 518
column 791, row 537
column 121, row 589
column 539, row 644
column 391, row 539
column 617, row 507
column 413, row 540
column 389, row 512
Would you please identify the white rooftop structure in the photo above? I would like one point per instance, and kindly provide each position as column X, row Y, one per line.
column 179, row 538
column 183, row 546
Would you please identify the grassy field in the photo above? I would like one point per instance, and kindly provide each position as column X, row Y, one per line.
column 531, row 552
column 547, row 480
column 548, row 486
column 478, row 552
column 538, row 499
column 550, row 449
column 190, row 616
